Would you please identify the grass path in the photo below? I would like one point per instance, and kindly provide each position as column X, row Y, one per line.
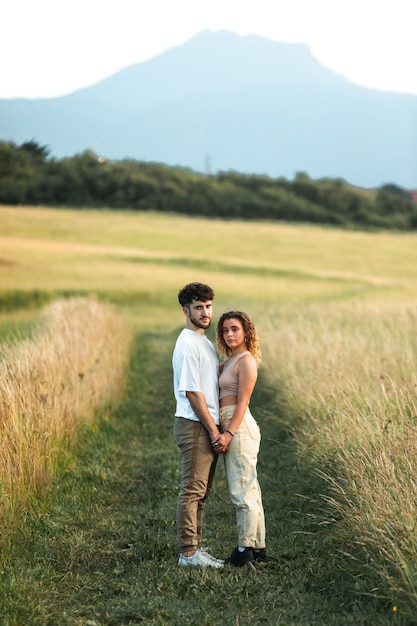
column 104, row 550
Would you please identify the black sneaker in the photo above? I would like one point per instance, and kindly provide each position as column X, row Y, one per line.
column 238, row 559
column 260, row 555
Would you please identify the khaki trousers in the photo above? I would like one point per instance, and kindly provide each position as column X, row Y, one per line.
column 198, row 467
column 240, row 463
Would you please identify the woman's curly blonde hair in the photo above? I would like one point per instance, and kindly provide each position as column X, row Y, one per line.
column 251, row 336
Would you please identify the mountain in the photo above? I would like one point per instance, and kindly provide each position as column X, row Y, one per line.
column 225, row 102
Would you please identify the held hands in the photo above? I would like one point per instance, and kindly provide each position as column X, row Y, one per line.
column 221, row 442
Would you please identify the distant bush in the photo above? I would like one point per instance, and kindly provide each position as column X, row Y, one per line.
column 28, row 176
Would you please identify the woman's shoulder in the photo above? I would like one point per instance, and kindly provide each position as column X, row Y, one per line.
column 246, row 359
column 246, row 354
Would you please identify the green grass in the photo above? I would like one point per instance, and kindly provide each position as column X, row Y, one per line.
column 103, row 550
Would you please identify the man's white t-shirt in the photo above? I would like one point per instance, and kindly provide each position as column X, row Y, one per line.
column 195, row 366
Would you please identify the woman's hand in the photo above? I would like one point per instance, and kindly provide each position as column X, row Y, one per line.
column 221, row 443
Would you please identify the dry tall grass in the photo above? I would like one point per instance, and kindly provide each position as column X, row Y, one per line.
column 74, row 364
column 349, row 373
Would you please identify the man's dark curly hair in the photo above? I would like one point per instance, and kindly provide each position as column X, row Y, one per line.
column 195, row 291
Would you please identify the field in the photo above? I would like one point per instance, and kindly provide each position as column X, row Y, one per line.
column 146, row 256
column 336, row 402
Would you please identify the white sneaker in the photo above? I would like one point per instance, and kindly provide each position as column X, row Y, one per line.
column 206, row 553
column 199, row 559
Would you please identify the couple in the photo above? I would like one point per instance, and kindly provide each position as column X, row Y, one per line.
column 208, row 424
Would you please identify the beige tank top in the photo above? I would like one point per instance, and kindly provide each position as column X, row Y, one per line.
column 228, row 379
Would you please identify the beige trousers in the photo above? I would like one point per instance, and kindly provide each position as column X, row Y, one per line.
column 240, row 463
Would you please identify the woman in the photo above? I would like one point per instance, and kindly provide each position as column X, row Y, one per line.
column 237, row 340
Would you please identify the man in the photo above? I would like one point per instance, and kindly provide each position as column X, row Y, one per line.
column 195, row 367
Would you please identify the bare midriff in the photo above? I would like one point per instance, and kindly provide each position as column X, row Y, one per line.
column 228, row 401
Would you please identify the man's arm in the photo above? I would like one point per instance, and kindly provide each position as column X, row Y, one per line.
column 200, row 408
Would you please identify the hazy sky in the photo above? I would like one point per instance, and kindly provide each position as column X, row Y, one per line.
column 53, row 47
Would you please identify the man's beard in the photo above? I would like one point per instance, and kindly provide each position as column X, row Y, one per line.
column 200, row 324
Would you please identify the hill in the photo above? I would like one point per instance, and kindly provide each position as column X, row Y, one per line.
column 224, row 102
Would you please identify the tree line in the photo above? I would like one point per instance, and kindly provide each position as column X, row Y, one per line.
column 30, row 176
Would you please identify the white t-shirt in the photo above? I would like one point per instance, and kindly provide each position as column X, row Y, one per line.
column 195, row 366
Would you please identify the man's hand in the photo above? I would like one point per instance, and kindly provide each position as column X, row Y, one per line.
column 221, row 443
